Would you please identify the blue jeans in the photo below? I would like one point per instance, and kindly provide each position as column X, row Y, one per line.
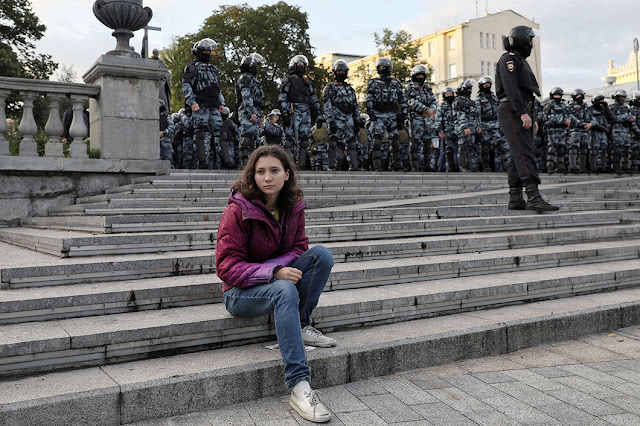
column 291, row 305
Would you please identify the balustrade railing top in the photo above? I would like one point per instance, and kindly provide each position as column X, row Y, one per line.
column 55, row 92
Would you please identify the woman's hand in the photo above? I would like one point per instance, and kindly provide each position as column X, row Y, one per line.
column 289, row 274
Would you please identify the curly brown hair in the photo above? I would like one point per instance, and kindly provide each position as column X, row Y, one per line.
column 290, row 193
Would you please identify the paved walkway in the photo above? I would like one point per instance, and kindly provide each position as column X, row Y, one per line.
column 592, row 381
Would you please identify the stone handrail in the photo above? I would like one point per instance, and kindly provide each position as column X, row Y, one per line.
column 55, row 92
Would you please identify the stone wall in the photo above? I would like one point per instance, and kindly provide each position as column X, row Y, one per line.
column 31, row 186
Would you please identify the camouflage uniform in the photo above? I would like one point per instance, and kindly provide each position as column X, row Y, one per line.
column 201, row 85
column 445, row 123
column 622, row 124
column 635, row 134
column 299, row 102
column 555, row 114
column 168, row 130
column 343, row 118
column 228, row 143
column 420, row 101
column 540, row 139
column 579, row 137
column 364, row 143
column 250, row 95
column 468, row 147
column 189, row 161
column 491, row 139
column 599, row 138
column 319, row 148
column 385, row 98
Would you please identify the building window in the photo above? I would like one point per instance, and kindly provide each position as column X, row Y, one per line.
column 452, row 44
column 452, row 71
column 482, row 67
column 429, row 49
column 481, row 41
column 494, row 42
column 488, row 41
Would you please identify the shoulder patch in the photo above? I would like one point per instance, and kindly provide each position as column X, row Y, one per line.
column 511, row 66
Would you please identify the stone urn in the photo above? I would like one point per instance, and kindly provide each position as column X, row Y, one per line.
column 124, row 17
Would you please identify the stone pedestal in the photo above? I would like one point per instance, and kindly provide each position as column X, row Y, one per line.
column 124, row 118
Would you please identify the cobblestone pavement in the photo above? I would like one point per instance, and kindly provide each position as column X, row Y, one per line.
column 592, row 381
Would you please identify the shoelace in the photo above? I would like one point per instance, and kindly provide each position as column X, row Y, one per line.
column 312, row 331
column 314, row 397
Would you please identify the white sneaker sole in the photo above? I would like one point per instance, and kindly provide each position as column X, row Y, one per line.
column 321, row 345
column 308, row 417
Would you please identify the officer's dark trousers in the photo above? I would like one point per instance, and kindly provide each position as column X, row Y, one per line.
column 522, row 170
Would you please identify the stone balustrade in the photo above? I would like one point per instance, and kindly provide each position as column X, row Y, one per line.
column 55, row 92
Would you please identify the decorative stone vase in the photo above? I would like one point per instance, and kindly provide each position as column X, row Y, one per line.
column 125, row 17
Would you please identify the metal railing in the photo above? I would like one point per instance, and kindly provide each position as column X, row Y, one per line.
column 28, row 91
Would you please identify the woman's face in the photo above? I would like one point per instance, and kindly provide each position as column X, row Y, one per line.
column 270, row 175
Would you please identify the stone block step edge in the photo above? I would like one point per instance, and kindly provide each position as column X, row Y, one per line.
column 148, row 293
column 109, row 400
column 210, row 327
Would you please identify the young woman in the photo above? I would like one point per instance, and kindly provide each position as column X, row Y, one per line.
column 264, row 261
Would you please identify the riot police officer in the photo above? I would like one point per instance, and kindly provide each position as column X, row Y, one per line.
column 422, row 111
column 343, row 118
column 387, row 108
column 600, row 134
column 250, row 101
column 300, row 110
column 580, row 134
column 203, row 97
column 621, row 129
column 516, row 86
column 491, row 140
column 557, row 119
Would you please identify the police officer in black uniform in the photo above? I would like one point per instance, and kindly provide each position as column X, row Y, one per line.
column 516, row 86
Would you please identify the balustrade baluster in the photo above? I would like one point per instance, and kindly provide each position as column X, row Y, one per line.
column 54, row 127
column 28, row 127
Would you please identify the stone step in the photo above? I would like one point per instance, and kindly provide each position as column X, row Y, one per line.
column 24, row 300
column 72, row 244
column 466, row 210
column 156, row 388
column 183, row 222
column 71, row 343
column 216, row 195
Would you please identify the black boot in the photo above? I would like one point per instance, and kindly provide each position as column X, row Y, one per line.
column 516, row 202
column 535, row 201
column 451, row 162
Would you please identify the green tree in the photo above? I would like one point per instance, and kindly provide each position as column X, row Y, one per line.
column 19, row 28
column 403, row 52
column 278, row 32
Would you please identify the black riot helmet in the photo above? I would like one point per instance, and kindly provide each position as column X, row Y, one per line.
column 636, row 99
column 340, row 70
column 578, row 95
column 251, row 62
column 448, row 94
column 556, row 93
column 225, row 113
column 203, row 49
column 485, row 84
column 620, row 96
column 519, row 39
column 384, row 67
column 163, row 106
column 298, row 65
column 598, row 100
column 465, row 88
column 419, row 74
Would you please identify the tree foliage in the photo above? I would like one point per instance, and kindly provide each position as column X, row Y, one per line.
column 19, row 28
column 277, row 32
column 403, row 52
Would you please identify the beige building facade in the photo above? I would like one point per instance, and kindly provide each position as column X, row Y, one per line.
column 467, row 50
column 624, row 73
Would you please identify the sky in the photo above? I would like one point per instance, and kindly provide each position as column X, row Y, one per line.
column 578, row 37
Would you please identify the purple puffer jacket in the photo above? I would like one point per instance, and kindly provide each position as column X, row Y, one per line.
column 251, row 243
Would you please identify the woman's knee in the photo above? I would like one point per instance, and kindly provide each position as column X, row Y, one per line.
column 285, row 292
column 323, row 255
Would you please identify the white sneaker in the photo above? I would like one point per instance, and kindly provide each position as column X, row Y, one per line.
column 307, row 403
column 313, row 337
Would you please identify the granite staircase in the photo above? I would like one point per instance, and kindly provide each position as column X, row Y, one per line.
column 110, row 309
